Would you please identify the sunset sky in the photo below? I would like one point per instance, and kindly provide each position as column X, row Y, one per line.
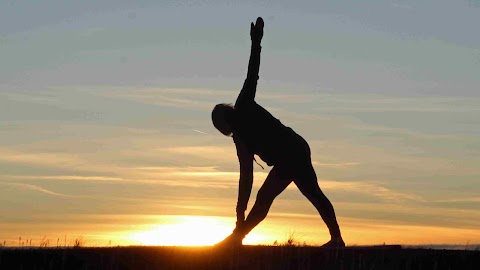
column 105, row 127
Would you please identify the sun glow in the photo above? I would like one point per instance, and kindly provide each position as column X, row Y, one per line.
column 190, row 231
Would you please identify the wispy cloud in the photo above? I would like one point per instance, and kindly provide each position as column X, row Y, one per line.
column 460, row 200
column 62, row 177
column 35, row 188
column 211, row 176
column 194, row 98
column 192, row 176
column 44, row 158
column 65, row 161
column 175, row 169
column 37, row 96
column 371, row 189
column 216, row 152
column 198, row 131
column 376, row 103
column 335, row 165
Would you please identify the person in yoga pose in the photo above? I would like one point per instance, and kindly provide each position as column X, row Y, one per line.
column 256, row 131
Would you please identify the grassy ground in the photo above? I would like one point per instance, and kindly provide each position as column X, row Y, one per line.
column 246, row 257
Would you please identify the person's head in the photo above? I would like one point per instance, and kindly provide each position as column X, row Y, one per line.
column 222, row 117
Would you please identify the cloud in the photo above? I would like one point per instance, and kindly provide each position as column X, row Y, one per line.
column 174, row 169
column 192, row 176
column 460, row 200
column 194, row 98
column 412, row 214
column 378, row 103
column 215, row 152
column 43, row 96
column 63, row 177
column 335, row 165
column 212, row 177
column 201, row 132
column 35, row 188
column 371, row 189
column 189, row 176
column 61, row 161
column 286, row 98
column 43, row 158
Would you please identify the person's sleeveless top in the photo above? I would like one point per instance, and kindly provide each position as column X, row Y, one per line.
column 263, row 134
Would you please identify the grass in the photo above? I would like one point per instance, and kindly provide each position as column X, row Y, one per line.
column 290, row 254
column 246, row 257
column 44, row 242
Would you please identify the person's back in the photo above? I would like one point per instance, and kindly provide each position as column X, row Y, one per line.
column 263, row 134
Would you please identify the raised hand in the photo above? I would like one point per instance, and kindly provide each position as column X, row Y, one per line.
column 256, row 31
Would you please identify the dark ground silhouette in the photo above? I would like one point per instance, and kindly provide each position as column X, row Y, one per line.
column 246, row 257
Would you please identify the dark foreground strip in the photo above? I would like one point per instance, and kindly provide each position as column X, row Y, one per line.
column 246, row 257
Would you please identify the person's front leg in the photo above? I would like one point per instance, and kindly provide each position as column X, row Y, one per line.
column 276, row 182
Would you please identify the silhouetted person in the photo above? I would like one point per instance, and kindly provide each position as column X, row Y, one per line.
column 256, row 131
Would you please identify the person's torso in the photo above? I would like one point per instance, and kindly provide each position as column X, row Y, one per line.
column 263, row 134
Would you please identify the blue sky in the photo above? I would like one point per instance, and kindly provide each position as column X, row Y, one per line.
column 105, row 114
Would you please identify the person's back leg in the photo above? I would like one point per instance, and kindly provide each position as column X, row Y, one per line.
column 276, row 182
column 306, row 182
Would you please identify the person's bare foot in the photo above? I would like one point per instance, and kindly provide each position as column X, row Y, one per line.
column 233, row 240
column 335, row 243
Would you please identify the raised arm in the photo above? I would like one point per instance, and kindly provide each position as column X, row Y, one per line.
column 247, row 94
column 245, row 159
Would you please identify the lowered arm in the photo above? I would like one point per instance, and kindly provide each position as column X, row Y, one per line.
column 245, row 159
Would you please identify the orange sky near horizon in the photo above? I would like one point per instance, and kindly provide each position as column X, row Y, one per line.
column 182, row 230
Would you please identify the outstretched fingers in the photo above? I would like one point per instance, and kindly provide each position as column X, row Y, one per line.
column 259, row 23
column 256, row 30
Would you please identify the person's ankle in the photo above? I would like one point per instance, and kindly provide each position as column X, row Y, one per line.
column 335, row 242
column 240, row 229
column 336, row 238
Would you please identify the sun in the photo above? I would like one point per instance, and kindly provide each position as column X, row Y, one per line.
column 190, row 231
column 185, row 231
